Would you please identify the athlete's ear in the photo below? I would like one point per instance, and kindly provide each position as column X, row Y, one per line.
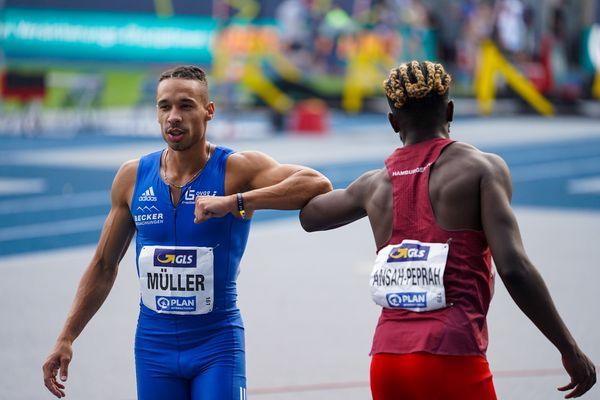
column 450, row 111
column 211, row 110
column 393, row 122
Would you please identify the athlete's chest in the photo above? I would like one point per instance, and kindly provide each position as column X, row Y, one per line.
column 160, row 220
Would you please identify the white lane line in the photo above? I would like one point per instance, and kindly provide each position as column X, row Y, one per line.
column 558, row 169
column 9, row 186
column 523, row 157
column 584, row 186
column 60, row 202
column 48, row 229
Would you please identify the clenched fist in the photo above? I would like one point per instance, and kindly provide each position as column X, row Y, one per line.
column 213, row 207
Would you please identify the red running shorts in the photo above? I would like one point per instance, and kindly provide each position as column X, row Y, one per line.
column 424, row 376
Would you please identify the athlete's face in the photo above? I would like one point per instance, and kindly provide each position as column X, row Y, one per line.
column 183, row 112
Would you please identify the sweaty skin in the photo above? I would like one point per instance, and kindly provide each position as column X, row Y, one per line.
column 183, row 112
column 468, row 189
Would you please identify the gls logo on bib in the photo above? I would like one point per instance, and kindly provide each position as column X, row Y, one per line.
column 178, row 258
column 409, row 252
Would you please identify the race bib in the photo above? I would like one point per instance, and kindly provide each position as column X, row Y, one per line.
column 177, row 280
column 410, row 275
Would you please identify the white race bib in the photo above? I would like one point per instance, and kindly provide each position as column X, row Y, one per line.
column 177, row 279
column 410, row 275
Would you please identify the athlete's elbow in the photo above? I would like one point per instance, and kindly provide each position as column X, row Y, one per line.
column 320, row 185
column 105, row 270
column 307, row 222
column 326, row 185
column 516, row 276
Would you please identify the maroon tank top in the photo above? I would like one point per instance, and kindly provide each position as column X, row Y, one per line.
column 460, row 328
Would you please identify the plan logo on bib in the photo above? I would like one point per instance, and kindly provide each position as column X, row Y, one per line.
column 409, row 252
column 178, row 258
column 174, row 303
column 407, row 300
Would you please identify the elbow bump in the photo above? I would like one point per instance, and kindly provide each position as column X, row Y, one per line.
column 324, row 185
column 306, row 225
column 308, row 228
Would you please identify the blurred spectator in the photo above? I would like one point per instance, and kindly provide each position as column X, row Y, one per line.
column 336, row 23
column 296, row 34
column 560, row 81
column 449, row 23
column 510, row 27
column 293, row 21
column 531, row 37
column 477, row 24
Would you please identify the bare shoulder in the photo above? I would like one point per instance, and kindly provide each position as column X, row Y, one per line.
column 124, row 182
column 374, row 178
column 369, row 183
column 469, row 156
column 250, row 159
column 242, row 167
column 128, row 171
column 368, row 179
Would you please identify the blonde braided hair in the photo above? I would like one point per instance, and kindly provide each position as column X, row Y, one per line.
column 416, row 80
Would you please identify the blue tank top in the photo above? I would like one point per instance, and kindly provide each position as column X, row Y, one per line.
column 186, row 269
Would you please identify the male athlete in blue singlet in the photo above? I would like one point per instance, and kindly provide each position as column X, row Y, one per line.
column 190, row 206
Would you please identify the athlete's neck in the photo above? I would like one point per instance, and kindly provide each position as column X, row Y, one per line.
column 182, row 164
column 414, row 137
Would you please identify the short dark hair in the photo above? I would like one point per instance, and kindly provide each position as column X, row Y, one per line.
column 184, row 72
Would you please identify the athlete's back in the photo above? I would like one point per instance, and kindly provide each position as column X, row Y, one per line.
column 455, row 181
column 422, row 207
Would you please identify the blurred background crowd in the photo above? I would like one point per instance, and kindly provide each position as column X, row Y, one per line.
column 92, row 66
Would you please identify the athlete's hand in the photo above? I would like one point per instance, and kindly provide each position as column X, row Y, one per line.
column 582, row 372
column 57, row 362
column 213, row 207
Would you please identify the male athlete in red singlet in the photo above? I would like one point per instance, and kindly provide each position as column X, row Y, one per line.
column 439, row 210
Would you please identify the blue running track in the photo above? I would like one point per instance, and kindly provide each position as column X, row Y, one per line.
column 69, row 204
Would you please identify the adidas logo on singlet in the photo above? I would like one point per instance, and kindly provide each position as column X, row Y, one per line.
column 148, row 195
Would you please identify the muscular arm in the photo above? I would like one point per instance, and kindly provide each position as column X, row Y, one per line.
column 98, row 278
column 277, row 186
column 265, row 184
column 522, row 280
column 337, row 208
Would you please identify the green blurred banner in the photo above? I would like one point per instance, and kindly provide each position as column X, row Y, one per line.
column 101, row 36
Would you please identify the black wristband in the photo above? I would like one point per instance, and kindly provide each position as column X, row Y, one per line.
column 240, row 205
